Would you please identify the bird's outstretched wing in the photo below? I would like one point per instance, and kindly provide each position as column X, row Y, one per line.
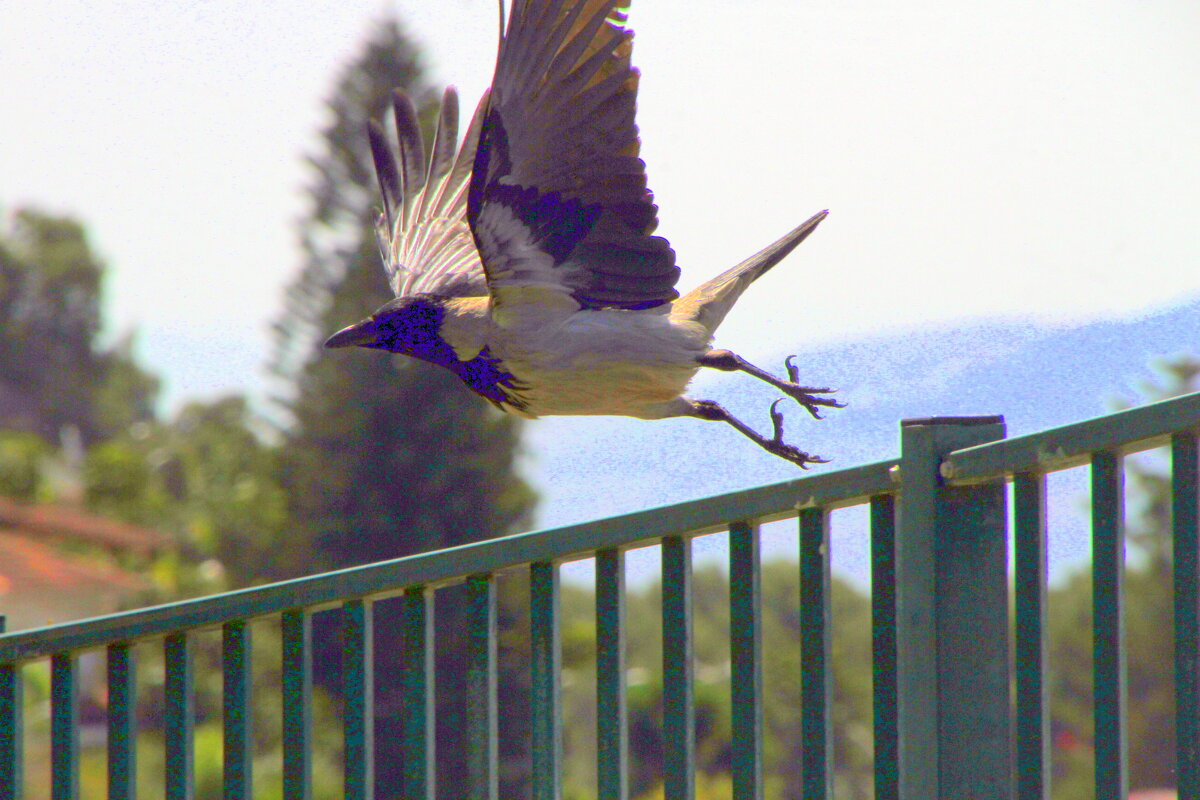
column 558, row 198
column 423, row 233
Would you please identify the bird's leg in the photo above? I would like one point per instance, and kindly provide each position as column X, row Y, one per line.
column 732, row 362
column 707, row 409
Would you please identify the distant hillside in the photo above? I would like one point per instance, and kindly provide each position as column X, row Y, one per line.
column 1036, row 375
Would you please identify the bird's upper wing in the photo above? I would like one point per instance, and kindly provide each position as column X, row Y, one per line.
column 558, row 198
column 423, row 233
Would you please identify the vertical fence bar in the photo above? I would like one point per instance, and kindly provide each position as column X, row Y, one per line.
column 12, row 731
column 296, row 627
column 545, row 680
column 122, row 722
column 1185, row 516
column 955, row 726
column 745, row 656
column 416, row 686
column 358, row 680
column 64, row 727
column 816, row 675
column 612, row 735
column 679, row 740
column 236, row 677
column 482, row 745
column 1108, row 621
column 883, row 645
column 1029, row 542
column 179, row 717
column 916, row 620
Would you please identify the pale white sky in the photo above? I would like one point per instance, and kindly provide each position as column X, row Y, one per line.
column 979, row 159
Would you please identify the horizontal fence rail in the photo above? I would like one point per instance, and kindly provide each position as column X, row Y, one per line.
column 453, row 564
column 952, row 716
column 1125, row 432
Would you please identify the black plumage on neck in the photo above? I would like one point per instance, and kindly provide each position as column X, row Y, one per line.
column 412, row 326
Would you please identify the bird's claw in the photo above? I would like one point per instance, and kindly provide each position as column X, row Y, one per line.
column 776, row 421
column 804, row 394
column 792, row 370
column 777, row 446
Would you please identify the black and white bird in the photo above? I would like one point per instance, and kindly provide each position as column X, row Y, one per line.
column 524, row 261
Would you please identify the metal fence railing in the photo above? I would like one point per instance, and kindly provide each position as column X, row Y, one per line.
column 954, row 716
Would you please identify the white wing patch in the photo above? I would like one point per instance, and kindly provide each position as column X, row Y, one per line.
column 520, row 273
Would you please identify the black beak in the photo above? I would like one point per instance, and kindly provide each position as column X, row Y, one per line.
column 363, row 334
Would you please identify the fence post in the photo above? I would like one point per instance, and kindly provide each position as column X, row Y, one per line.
column 954, row 719
column 12, row 732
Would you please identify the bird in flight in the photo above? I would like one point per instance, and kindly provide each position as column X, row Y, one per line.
column 524, row 261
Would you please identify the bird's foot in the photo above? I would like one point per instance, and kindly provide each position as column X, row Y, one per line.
column 804, row 395
column 776, row 446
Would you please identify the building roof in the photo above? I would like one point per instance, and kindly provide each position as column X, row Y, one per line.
column 42, row 581
column 64, row 522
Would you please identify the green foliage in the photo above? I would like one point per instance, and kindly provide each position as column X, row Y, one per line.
column 208, row 734
column 21, row 458
column 226, row 487
column 51, row 364
column 121, row 483
column 126, row 394
column 205, row 476
column 375, row 458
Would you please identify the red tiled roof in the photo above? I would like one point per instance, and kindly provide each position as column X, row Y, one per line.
column 41, row 582
column 26, row 563
column 40, row 585
column 50, row 520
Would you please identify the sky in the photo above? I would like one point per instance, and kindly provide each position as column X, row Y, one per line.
column 996, row 159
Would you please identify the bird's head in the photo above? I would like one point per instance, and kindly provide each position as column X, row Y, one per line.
column 407, row 325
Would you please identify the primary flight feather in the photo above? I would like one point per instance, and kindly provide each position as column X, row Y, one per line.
column 524, row 260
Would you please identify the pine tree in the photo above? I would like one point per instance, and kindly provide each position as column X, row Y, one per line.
column 383, row 456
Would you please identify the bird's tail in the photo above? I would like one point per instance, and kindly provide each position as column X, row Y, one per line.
column 710, row 302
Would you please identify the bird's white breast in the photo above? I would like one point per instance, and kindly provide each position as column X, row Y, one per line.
column 601, row 362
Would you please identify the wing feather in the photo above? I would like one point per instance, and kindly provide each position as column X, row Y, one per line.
column 412, row 147
column 453, row 190
column 425, row 240
column 386, row 170
column 445, row 142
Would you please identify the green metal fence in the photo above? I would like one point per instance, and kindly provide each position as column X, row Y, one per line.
column 954, row 716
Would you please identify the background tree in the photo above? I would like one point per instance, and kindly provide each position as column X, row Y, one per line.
column 53, row 372
column 205, row 476
column 383, row 456
column 22, row 455
column 76, row 415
